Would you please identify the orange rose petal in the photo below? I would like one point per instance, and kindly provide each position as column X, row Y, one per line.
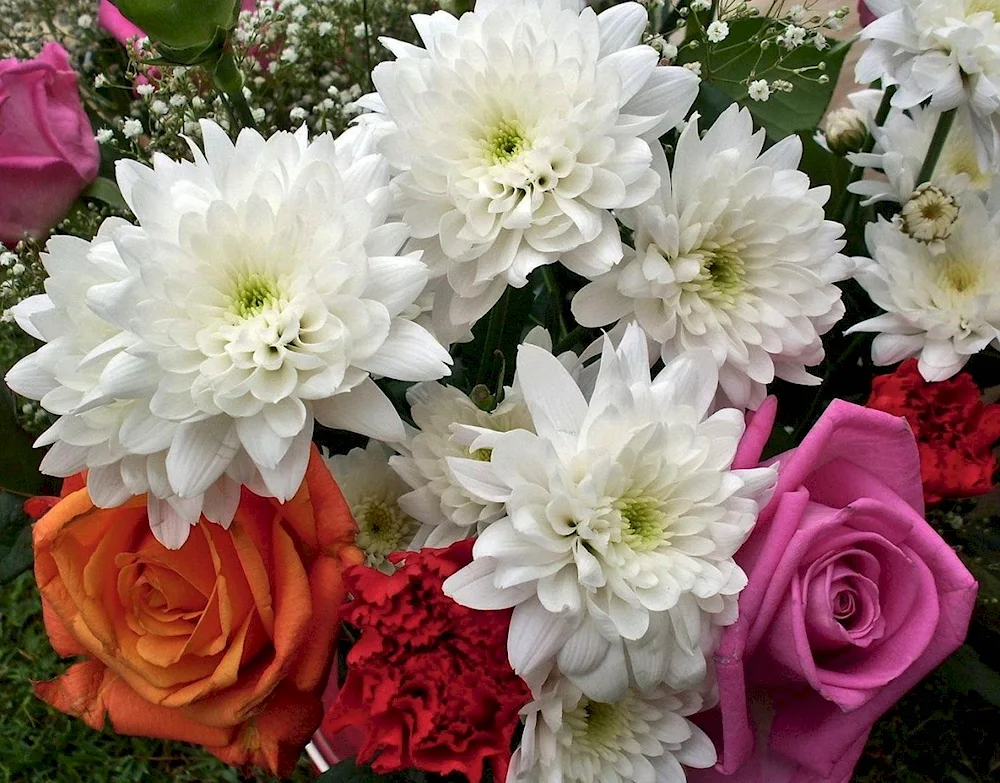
column 214, row 626
column 193, row 562
column 225, row 674
column 178, row 594
column 337, row 529
column 246, row 536
column 73, row 484
column 327, row 595
column 275, row 737
column 80, row 692
column 157, row 683
column 63, row 642
column 240, row 595
column 161, row 651
column 292, row 595
column 131, row 714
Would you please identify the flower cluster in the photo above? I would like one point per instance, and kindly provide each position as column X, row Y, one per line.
column 955, row 431
column 428, row 680
column 334, row 347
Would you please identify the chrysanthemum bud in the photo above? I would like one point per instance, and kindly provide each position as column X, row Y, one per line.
column 930, row 214
column 845, row 130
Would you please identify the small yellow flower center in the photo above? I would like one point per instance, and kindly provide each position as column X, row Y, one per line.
column 959, row 275
column 506, row 142
column 600, row 727
column 722, row 277
column 930, row 214
column 644, row 525
column 382, row 527
column 959, row 157
column 978, row 6
column 254, row 294
column 482, row 455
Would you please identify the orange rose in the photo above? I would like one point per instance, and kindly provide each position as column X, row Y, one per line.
column 225, row 642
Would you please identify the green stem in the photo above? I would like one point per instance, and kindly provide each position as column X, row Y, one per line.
column 847, row 202
column 832, row 369
column 494, row 333
column 552, row 286
column 229, row 80
column 937, row 144
column 570, row 340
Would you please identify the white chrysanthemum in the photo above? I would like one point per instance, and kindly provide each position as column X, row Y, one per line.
column 942, row 305
column 190, row 354
column 517, row 129
column 944, row 51
column 621, row 520
column 735, row 255
column 372, row 490
column 901, row 145
column 446, row 510
column 639, row 738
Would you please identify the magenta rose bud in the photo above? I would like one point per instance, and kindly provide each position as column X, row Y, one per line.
column 867, row 17
column 852, row 599
column 112, row 20
column 48, row 154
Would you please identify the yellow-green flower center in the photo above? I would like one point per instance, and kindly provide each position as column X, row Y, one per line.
column 506, row 142
column 600, row 727
column 725, row 269
column 958, row 274
column 254, row 294
column 722, row 277
column 382, row 527
column 977, row 6
column 644, row 525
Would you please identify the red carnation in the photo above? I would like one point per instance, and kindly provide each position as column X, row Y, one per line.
column 955, row 431
column 428, row 681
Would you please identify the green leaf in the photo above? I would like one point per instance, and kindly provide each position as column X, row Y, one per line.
column 106, row 190
column 710, row 103
column 823, row 167
column 784, row 113
column 349, row 772
column 966, row 674
column 15, row 538
column 18, row 460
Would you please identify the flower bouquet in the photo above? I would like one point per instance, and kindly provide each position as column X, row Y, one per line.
column 528, row 392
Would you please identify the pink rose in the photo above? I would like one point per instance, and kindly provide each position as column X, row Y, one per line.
column 852, row 599
column 47, row 148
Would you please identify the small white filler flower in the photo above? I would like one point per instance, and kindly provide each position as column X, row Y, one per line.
column 733, row 254
column 622, row 515
column 517, row 130
column 191, row 354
